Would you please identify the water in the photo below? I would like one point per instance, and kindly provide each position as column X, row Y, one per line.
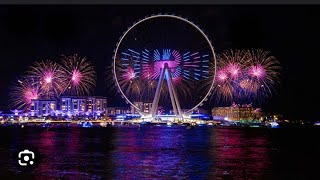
column 161, row 153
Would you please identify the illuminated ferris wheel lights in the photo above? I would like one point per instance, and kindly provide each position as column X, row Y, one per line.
column 139, row 65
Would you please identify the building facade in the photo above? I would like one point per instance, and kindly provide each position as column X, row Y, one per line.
column 43, row 107
column 90, row 106
column 144, row 106
column 195, row 111
column 118, row 110
column 69, row 106
column 236, row 113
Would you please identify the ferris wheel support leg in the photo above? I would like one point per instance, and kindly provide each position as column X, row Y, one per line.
column 157, row 95
column 175, row 96
column 165, row 73
column 170, row 85
column 177, row 101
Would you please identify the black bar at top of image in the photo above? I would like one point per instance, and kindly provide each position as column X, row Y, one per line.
column 162, row 2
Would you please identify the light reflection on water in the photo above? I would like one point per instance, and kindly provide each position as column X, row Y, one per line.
column 239, row 154
column 159, row 152
column 149, row 153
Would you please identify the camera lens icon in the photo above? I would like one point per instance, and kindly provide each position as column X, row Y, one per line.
column 26, row 157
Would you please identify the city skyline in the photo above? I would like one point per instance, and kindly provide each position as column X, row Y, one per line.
column 64, row 30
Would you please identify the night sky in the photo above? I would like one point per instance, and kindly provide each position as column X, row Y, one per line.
column 291, row 33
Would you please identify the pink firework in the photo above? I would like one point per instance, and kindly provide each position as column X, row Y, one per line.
column 30, row 94
column 230, row 71
column 233, row 69
column 129, row 74
column 264, row 71
column 23, row 92
column 257, row 71
column 79, row 75
column 76, row 77
column 246, row 76
column 222, row 75
column 50, row 77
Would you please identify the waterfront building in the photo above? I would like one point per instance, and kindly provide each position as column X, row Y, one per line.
column 69, row 106
column 112, row 111
column 72, row 105
column 236, row 113
column 75, row 104
column 195, row 111
column 12, row 113
column 144, row 106
column 96, row 104
column 43, row 107
column 90, row 105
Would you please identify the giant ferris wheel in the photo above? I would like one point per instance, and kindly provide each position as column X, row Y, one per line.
column 164, row 59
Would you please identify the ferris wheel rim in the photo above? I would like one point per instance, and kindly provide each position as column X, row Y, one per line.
column 169, row 16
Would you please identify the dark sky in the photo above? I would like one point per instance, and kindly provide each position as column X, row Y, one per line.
column 291, row 33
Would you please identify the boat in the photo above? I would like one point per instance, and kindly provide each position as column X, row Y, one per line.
column 273, row 124
column 202, row 124
column 87, row 124
column 46, row 125
column 169, row 124
column 317, row 123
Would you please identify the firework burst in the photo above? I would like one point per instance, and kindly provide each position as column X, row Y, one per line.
column 50, row 77
column 245, row 76
column 23, row 91
column 263, row 72
column 79, row 75
column 229, row 71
